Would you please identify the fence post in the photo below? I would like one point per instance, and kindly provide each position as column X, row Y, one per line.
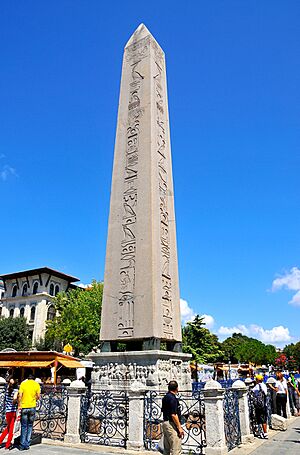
column 242, row 390
column 136, row 420
column 73, row 418
column 214, row 419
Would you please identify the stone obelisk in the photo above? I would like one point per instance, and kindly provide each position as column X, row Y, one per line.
column 141, row 304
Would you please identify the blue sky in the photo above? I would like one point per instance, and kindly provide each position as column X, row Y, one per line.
column 233, row 79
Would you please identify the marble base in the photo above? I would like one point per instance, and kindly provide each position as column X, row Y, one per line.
column 132, row 370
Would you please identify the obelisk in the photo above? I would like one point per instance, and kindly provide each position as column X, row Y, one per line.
column 141, row 304
column 141, row 292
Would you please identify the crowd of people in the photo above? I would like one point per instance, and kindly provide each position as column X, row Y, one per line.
column 283, row 391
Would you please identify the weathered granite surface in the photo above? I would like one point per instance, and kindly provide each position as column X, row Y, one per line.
column 141, row 291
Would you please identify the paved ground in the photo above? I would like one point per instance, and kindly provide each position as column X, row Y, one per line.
column 45, row 449
column 285, row 442
column 59, row 448
column 279, row 442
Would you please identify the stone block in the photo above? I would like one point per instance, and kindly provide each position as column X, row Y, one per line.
column 278, row 423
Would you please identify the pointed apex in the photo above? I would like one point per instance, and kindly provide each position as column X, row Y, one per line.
column 140, row 33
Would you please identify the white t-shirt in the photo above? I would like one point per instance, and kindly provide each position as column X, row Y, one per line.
column 281, row 386
column 263, row 388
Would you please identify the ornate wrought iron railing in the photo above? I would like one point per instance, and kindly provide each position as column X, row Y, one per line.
column 231, row 419
column 193, row 421
column 255, row 428
column 104, row 418
column 52, row 412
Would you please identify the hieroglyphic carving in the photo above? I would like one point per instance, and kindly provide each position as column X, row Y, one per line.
column 138, row 50
column 161, row 139
column 130, row 198
column 159, row 55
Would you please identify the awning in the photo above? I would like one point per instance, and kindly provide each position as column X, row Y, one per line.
column 69, row 363
column 25, row 363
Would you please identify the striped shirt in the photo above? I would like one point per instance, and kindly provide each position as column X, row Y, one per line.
column 9, row 405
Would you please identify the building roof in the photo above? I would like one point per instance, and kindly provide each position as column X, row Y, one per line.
column 38, row 271
column 37, row 359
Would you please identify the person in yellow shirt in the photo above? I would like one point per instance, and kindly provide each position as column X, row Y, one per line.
column 29, row 393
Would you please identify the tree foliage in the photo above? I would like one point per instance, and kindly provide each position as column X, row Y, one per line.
column 240, row 348
column 77, row 321
column 292, row 352
column 198, row 341
column 14, row 333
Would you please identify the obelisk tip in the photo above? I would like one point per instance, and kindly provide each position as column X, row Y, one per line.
column 140, row 33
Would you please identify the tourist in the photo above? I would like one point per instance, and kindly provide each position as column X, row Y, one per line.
column 260, row 392
column 281, row 394
column 29, row 393
column 11, row 405
column 171, row 427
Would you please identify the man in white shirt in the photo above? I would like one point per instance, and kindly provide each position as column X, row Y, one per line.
column 261, row 413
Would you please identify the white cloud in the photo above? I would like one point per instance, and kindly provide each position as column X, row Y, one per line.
column 296, row 299
column 209, row 320
column 290, row 281
column 7, row 171
column 228, row 331
column 187, row 313
column 278, row 334
column 84, row 286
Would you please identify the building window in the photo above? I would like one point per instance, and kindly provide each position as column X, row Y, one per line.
column 56, row 289
column 35, row 288
column 11, row 312
column 0, row 311
column 51, row 313
column 22, row 312
column 51, row 289
column 14, row 291
column 32, row 313
column 25, row 289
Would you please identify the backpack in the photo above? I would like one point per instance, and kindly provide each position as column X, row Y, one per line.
column 259, row 398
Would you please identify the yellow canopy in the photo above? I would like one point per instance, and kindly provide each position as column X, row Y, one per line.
column 25, row 363
column 70, row 363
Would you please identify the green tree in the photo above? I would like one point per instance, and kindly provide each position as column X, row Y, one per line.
column 77, row 321
column 240, row 348
column 230, row 347
column 14, row 333
column 198, row 341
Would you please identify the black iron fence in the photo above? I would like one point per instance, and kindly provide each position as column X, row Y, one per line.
column 52, row 412
column 232, row 418
column 255, row 428
column 193, row 421
column 104, row 418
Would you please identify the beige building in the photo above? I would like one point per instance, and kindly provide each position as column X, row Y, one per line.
column 30, row 293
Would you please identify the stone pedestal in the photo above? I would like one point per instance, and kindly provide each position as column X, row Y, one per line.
column 243, row 411
column 136, row 421
column 214, row 419
column 140, row 370
column 72, row 435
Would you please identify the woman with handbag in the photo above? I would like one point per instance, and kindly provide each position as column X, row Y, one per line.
column 11, row 405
